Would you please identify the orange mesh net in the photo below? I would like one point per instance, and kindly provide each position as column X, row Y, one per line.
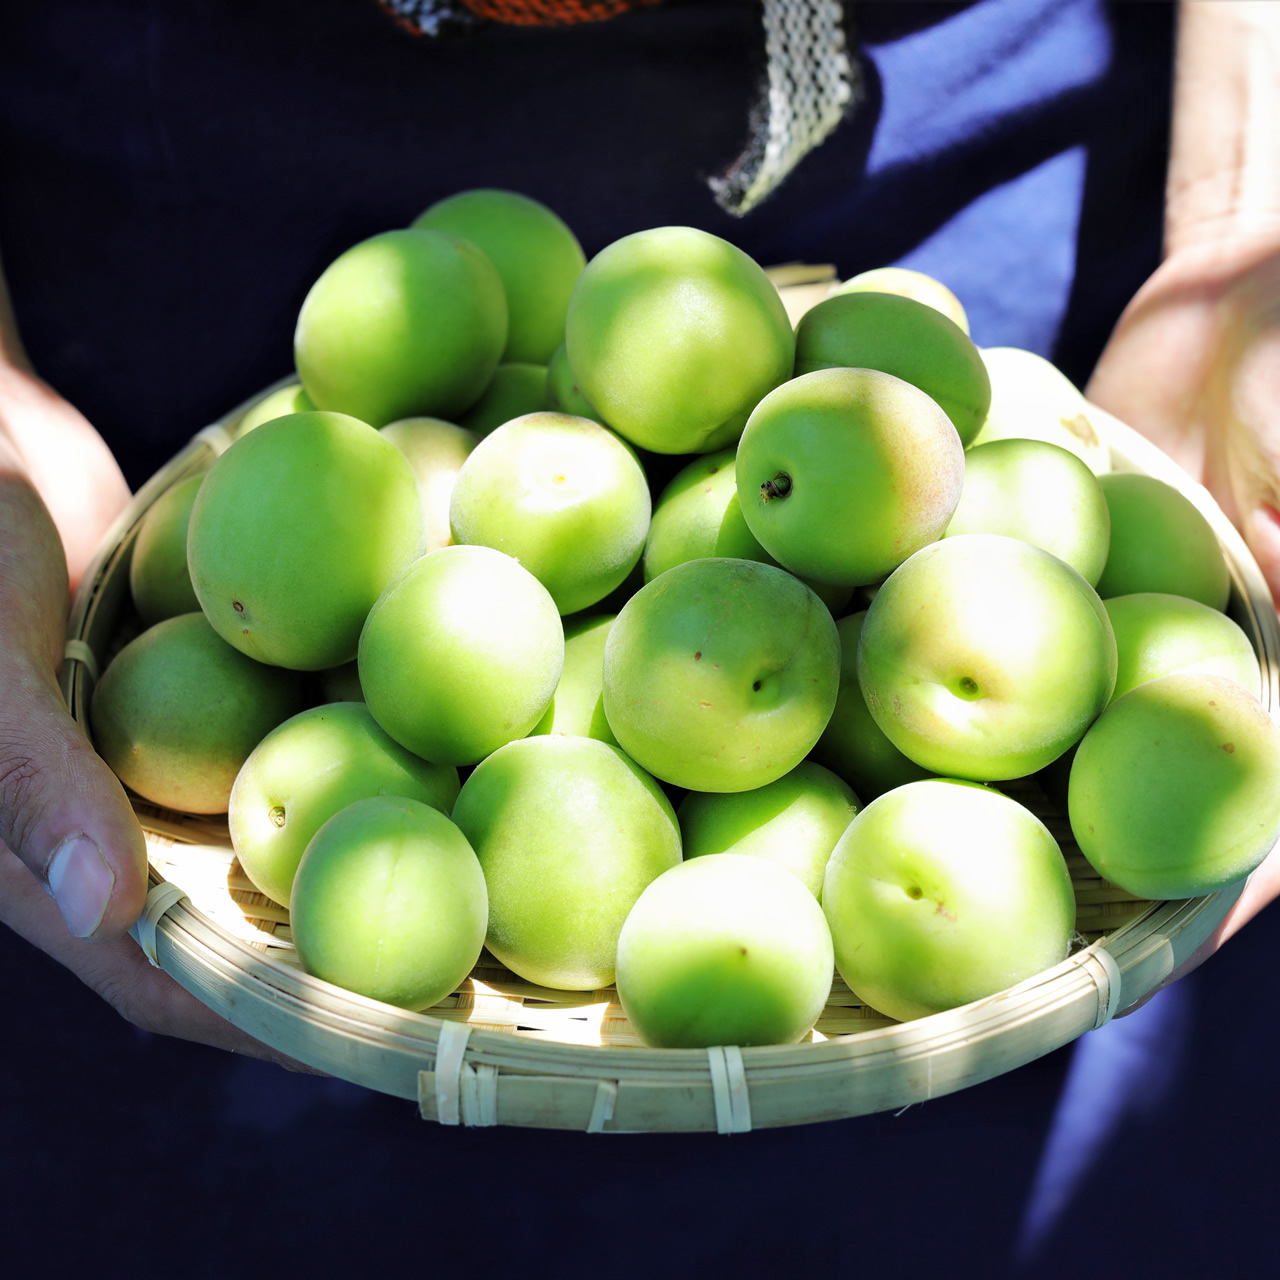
column 551, row 12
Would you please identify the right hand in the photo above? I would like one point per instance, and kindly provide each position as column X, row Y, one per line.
column 73, row 861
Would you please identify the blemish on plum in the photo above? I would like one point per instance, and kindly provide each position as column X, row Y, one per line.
column 276, row 815
column 915, row 892
column 697, row 657
column 237, row 606
column 1229, row 748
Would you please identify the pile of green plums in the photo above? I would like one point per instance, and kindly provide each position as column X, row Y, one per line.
column 592, row 613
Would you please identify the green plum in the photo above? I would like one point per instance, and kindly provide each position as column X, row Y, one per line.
column 461, row 654
column 178, row 711
column 674, row 335
column 307, row 769
column 436, row 451
column 569, row 832
column 1175, row 789
column 1160, row 541
column 942, row 892
column 984, row 657
column 909, row 284
column 1041, row 493
column 536, row 255
column 407, row 323
column 296, row 531
column 1158, row 634
column 159, row 580
column 843, row 473
column 720, row 674
column 513, row 391
column 793, row 821
column 564, row 496
column 724, row 950
column 853, row 745
column 577, row 707
column 563, row 393
column 698, row 514
column 906, row 338
column 389, row 901
column 290, row 398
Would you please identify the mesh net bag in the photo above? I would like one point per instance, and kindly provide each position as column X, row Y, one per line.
column 809, row 85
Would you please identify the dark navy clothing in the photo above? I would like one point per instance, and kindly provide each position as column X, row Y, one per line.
column 174, row 177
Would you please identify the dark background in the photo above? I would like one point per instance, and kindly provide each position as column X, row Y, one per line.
column 172, row 177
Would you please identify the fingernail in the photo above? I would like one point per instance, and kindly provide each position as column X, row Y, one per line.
column 81, row 884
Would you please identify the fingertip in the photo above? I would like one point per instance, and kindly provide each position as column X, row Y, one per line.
column 97, row 899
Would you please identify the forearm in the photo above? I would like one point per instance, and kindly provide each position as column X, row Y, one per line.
column 1224, row 165
column 46, row 443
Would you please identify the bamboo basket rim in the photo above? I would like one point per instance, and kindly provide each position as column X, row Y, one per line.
column 476, row 1076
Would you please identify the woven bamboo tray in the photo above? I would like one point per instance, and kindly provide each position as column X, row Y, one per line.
column 501, row 1051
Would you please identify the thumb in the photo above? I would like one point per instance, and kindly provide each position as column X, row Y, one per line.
column 62, row 810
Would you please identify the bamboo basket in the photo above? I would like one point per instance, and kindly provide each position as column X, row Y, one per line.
column 502, row 1051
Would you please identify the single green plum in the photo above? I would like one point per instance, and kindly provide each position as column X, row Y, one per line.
column 569, row 831
column 298, row 528
column 942, row 892
column 514, row 390
column 853, row 745
column 178, row 711
column 793, row 821
column 461, row 654
column 1041, row 493
column 577, row 706
column 720, row 674
column 1174, row 791
column 1158, row 634
column 404, row 324
column 564, row 496
column 984, row 657
column 159, row 580
column 843, row 473
column 724, row 950
column 909, row 284
column 674, row 335
column 1160, row 541
column 436, row 451
column 389, row 901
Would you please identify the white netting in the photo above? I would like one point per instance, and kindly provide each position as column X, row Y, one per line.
column 809, row 86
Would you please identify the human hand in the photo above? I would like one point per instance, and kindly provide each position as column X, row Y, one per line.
column 73, row 865
column 1194, row 364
